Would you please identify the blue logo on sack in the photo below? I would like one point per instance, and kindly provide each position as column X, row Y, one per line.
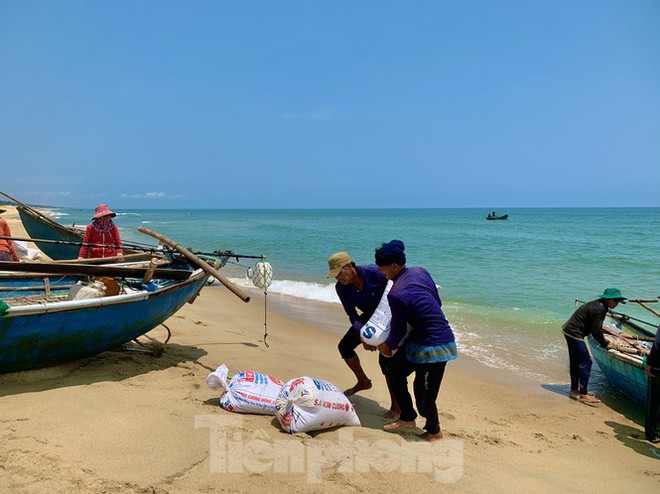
column 368, row 332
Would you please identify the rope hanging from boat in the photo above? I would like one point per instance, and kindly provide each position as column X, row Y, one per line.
column 262, row 277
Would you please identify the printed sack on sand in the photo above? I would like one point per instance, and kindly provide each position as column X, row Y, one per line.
column 247, row 392
column 376, row 330
column 305, row 404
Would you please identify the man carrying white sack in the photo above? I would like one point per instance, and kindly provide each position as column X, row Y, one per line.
column 414, row 300
column 359, row 288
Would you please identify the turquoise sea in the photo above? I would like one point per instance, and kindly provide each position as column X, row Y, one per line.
column 507, row 286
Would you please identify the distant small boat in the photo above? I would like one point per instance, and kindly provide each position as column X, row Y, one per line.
column 503, row 217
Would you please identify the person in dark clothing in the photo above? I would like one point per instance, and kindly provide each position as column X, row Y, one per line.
column 359, row 289
column 430, row 344
column 587, row 320
column 652, row 369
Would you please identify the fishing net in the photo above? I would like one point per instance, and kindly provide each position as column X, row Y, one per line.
column 262, row 275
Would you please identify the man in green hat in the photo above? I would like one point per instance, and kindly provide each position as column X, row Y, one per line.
column 587, row 320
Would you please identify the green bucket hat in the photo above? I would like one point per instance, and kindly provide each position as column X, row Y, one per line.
column 613, row 293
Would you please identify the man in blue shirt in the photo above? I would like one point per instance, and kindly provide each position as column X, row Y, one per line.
column 360, row 289
column 414, row 302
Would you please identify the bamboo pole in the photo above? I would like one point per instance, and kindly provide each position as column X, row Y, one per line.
column 199, row 262
column 637, row 362
column 627, row 336
column 139, row 256
column 650, row 309
column 91, row 270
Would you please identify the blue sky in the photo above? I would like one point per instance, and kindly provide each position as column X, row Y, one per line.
column 310, row 104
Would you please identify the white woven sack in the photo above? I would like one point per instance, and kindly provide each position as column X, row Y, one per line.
column 306, row 404
column 247, row 392
column 376, row 330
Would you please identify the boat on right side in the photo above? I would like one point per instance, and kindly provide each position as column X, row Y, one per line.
column 631, row 340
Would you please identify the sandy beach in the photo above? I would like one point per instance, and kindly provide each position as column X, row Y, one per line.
column 127, row 422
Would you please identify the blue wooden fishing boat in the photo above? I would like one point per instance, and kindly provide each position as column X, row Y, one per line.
column 40, row 326
column 39, row 226
column 58, row 242
column 623, row 368
column 38, row 330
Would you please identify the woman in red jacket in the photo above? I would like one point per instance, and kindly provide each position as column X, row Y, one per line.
column 7, row 251
column 102, row 232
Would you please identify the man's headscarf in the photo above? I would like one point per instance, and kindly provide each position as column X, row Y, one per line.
column 391, row 253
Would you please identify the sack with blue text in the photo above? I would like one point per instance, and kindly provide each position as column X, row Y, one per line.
column 247, row 392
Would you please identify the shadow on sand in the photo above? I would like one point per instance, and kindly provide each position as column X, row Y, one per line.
column 106, row 366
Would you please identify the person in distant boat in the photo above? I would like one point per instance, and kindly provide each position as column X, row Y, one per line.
column 104, row 233
column 414, row 302
column 652, row 369
column 359, row 288
column 493, row 215
column 7, row 251
column 587, row 320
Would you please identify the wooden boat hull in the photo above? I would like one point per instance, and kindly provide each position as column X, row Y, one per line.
column 41, row 335
column 36, row 227
column 627, row 376
column 39, row 227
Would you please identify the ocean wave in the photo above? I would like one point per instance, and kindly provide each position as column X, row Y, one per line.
column 501, row 350
column 301, row 289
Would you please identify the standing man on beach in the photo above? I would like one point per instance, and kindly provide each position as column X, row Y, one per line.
column 7, row 252
column 652, row 369
column 414, row 301
column 587, row 320
column 359, row 288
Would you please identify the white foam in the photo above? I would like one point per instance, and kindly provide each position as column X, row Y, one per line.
column 301, row 289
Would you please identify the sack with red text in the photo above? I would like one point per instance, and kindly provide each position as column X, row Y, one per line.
column 305, row 404
column 247, row 392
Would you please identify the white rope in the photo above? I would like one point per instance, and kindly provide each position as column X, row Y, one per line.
column 262, row 277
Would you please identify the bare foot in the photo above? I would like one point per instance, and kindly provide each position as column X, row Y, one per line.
column 427, row 436
column 392, row 414
column 399, row 424
column 360, row 386
column 588, row 400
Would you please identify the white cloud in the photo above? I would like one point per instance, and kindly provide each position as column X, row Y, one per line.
column 50, row 194
column 152, row 195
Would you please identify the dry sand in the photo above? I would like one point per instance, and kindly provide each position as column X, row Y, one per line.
column 127, row 422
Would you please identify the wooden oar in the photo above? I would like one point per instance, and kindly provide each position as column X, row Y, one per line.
column 627, row 336
column 650, row 309
column 140, row 256
column 92, row 270
column 199, row 262
column 636, row 361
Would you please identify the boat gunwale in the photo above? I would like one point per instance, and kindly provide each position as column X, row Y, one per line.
column 42, row 308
